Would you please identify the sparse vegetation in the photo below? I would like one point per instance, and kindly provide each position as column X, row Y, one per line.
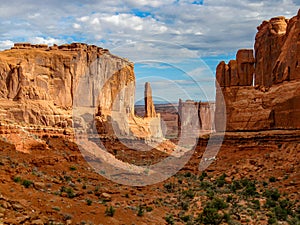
column 140, row 211
column 89, row 201
column 17, row 179
column 27, row 183
column 110, row 211
column 170, row 219
column 73, row 168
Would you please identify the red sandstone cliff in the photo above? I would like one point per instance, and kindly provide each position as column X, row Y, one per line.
column 37, row 82
column 72, row 84
column 263, row 92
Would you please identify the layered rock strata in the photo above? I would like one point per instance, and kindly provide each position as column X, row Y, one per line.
column 42, row 85
column 263, row 92
column 195, row 118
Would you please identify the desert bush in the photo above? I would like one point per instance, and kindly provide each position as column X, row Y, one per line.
column 73, row 168
column 169, row 187
column 202, row 176
column 140, row 211
column 170, row 219
column 221, row 180
column 17, row 179
column 210, row 216
column 27, row 183
column 110, row 211
column 89, row 201
column 189, row 193
column 280, row 213
column 217, row 203
column 272, row 194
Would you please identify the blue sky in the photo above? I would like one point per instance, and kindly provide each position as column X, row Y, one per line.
column 175, row 44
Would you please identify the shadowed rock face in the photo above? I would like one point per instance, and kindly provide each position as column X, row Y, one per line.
column 274, row 101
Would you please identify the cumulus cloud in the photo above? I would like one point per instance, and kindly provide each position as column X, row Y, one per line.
column 167, row 31
column 208, row 27
column 48, row 41
column 6, row 44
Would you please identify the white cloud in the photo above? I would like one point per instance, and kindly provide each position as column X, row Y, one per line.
column 76, row 26
column 47, row 41
column 166, row 31
column 147, row 3
column 216, row 27
column 33, row 16
column 6, row 44
column 83, row 18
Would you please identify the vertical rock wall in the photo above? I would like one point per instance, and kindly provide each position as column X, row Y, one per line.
column 196, row 117
column 263, row 92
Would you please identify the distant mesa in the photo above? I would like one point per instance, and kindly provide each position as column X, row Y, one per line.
column 196, row 117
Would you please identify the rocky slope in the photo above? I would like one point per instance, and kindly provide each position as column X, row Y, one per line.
column 262, row 92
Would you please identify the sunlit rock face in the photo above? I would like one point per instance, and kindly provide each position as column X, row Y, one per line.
column 72, row 85
column 263, row 92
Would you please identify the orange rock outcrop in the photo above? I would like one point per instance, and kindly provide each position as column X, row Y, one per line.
column 262, row 92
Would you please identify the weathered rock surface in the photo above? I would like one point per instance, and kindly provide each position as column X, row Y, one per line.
column 195, row 118
column 238, row 72
column 274, row 101
column 149, row 106
column 53, row 86
column 40, row 82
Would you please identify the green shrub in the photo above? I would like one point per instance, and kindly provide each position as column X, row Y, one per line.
column 218, row 204
column 202, row 176
column 73, row 168
column 221, row 180
column 89, row 201
column 205, row 185
column 256, row 204
column 272, row 220
column 56, row 208
column 27, row 183
column 272, row 179
column 170, row 219
column 189, row 193
column 67, row 178
column 229, row 198
column 69, row 191
column 169, row 187
column 17, row 179
column 110, row 211
column 250, row 189
column 272, row 194
column 149, row 208
column 184, row 205
column 281, row 213
column 140, row 211
column 236, row 185
column 188, row 174
column 270, row 203
column 210, row 216
column 186, row 218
